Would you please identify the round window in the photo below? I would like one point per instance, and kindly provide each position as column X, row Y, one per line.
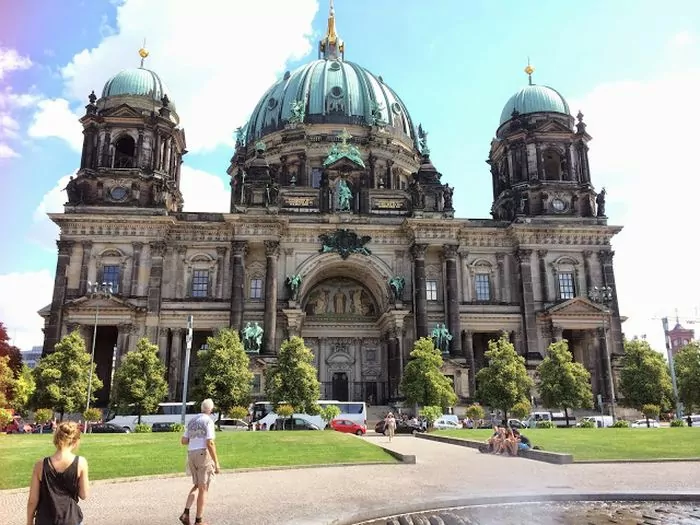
column 396, row 108
column 558, row 205
column 336, row 91
column 335, row 66
column 271, row 103
column 118, row 193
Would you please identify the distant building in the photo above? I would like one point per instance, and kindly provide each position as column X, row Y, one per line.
column 31, row 357
column 679, row 337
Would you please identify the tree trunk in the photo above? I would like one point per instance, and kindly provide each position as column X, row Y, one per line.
column 566, row 415
column 138, row 420
column 647, row 420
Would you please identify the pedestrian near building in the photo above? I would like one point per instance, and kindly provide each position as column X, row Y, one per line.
column 390, row 425
column 202, row 461
column 58, row 481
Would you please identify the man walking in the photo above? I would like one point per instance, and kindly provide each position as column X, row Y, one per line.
column 390, row 425
column 202, row 461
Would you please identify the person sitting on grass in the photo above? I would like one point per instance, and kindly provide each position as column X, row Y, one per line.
column 496, row 440
column 515, row 442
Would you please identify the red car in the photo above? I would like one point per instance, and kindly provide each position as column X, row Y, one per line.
column 345, row 425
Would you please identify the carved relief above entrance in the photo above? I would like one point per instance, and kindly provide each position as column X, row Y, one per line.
column 340, row 297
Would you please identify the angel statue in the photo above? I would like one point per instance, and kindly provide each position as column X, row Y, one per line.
column 297, row 108
column 397, row 284
column 293, row 282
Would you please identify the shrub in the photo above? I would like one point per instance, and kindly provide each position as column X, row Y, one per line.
column 651, row 411
column 5, row 417
column 621, row 423
column 475, row 412
column 587, row 424
column 43, row 415
column 545, row 424
column 238, row 413
column 521, row 410
column 431, row 414
column 142, row 428
column 329, row 413
column 177, row 427
column 677, row 423
column 285, row 411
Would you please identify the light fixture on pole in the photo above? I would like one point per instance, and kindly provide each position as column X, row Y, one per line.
column 604, row 296
column 188, row 351
column 99, row 291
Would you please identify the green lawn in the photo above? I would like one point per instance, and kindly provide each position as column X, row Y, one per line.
column 606, row 443
column 124, row 455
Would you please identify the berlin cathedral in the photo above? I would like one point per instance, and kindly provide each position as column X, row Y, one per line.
column 340, row 231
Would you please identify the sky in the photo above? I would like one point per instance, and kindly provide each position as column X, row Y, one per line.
column 631, row 66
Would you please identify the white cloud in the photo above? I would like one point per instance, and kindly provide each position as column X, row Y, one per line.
column 214, row 83
column 643, row 153
column 9, row 127
column 11, row 60
column 681, row 40
column 55, row 119
column 6, row 152
column 203, row 191
column 21, row 296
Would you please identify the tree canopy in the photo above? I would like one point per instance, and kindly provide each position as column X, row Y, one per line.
column 504, row 381
column 62, row 376
column 140, row 379
column 293, row 378
column 644, row 376
column 562, row 383
column 224, row 372
column 10, row 351
column 423, row 382
column 687, row 364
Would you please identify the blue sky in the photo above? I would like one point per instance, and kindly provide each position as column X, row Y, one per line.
column 630, row 66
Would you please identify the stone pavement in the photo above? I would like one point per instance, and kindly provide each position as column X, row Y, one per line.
column 443, row 473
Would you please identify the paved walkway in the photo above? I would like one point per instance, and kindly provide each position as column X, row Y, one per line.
column 321, row 495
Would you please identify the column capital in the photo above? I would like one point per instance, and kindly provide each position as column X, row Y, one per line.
column 523, row 256
column 177, row 331
column 541, row 253
column 87, row 245
column 450, row 251
column 272, row 248
column 158, row 248
column 606, row 256
column 240, row 248
column 221, row 250
column 587, row 254
column 64, row 247
column 137, row 246
column 418, row 250
column 125, row 328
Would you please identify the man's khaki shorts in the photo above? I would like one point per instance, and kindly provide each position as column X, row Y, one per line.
column 201, row 466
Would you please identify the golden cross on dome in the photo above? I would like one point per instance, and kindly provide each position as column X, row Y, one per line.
column 143, row 52
column 529, row 70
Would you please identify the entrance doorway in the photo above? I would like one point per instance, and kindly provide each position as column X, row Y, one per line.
column 340, row 386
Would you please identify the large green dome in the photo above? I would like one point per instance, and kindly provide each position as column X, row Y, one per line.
column 136, row 82
column 332, row 91
column 535, row 99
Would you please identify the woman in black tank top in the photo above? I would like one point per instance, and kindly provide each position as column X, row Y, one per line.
column 58, row 481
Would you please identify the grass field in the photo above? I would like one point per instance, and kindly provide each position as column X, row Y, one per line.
column 606, row 443
column 125, row 455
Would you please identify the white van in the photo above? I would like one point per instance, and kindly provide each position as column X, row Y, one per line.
column 558, row 418
column 600, row 421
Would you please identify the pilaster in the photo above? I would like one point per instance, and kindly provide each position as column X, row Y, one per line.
column 420, row 303
column 155, row 279
column 606, row 262
column 272, row 253
column 452, row 289
column 52, row 329
column 176, row 362
column 136, row 267
column 544, row 289
column 84, row 266
column 238, row 253
column 527, row 301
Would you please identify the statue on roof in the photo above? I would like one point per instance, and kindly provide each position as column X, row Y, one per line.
column 423, row 140
column 600, row 202
column 344, row 195
column 447, row 196
column 241, row 133
column 297, row 107
column 376, row 109
column 344, row 149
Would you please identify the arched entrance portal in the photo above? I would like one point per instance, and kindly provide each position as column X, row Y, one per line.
column 342, row 329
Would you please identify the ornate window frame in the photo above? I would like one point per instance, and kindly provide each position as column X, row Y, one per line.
column 434, row 273
column 200, row 261
column 482, row 266
column 565, row 264
column 121, row 133
column 255, row 270
column 561, row 153
column 112, row 256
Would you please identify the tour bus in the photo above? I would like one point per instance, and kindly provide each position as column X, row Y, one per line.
column 355, row 411
column 169, row 412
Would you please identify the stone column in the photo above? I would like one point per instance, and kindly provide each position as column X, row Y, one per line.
column 155, row 157
column 238, row 253
column 468, row 336
column 52, row 331
column 155, row 279
column 123, row 332
column 139, row 160
column 175, row 364
column 557, row 333
column 393, row 360
column 136, row 267
column 527, row 300
column 606, row 262
column 163, row 337
column 544, row 289
column 272, row 252
column 587, row 272
column 107, row 140
column 84, row 266
column 180, row 280
column 452, row 288
column 420, row 303
column 220, row 254
column 500, row 273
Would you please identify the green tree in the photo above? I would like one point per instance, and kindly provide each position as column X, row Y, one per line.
column 5, row 418
column 329, row 413
column 238, row 412
column 23, row 390
column 687, row 364
column 43, row 416
column 505, row 381
column 431, row 414
column 285, row 412
column 224, row 372
column 562, row 382
column 7, row 382
column 62, row 377
column 475, row 412
column 644, row 376
column 140, row 379
column 11, row 351
column 423, row 383
column 91, row 415
column 293, row 379
column 521, row 409
column 651, row 411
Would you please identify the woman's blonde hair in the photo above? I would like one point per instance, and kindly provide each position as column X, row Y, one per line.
column 67, row 434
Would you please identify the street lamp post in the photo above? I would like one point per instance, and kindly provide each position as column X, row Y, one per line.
column 604, row 296
column 672, row 366
column 100, row 291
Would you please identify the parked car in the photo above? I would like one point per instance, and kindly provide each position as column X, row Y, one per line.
column 108, row 428
column 402, row 427
column 599, row 421
column 233, row 425
column 445, row 424
column 293, row 423
column 349, row 427
column 642, row 423
column 162, row 426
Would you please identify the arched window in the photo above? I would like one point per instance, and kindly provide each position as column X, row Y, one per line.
column 124, row 152
column 482, row 272
column 566, row 277
column 552, row 165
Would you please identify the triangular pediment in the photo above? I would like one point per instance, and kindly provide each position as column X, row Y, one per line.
column 553, row 126
column 345, row 163
column 122, row 111
column 103, row 303
column 576, row 307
